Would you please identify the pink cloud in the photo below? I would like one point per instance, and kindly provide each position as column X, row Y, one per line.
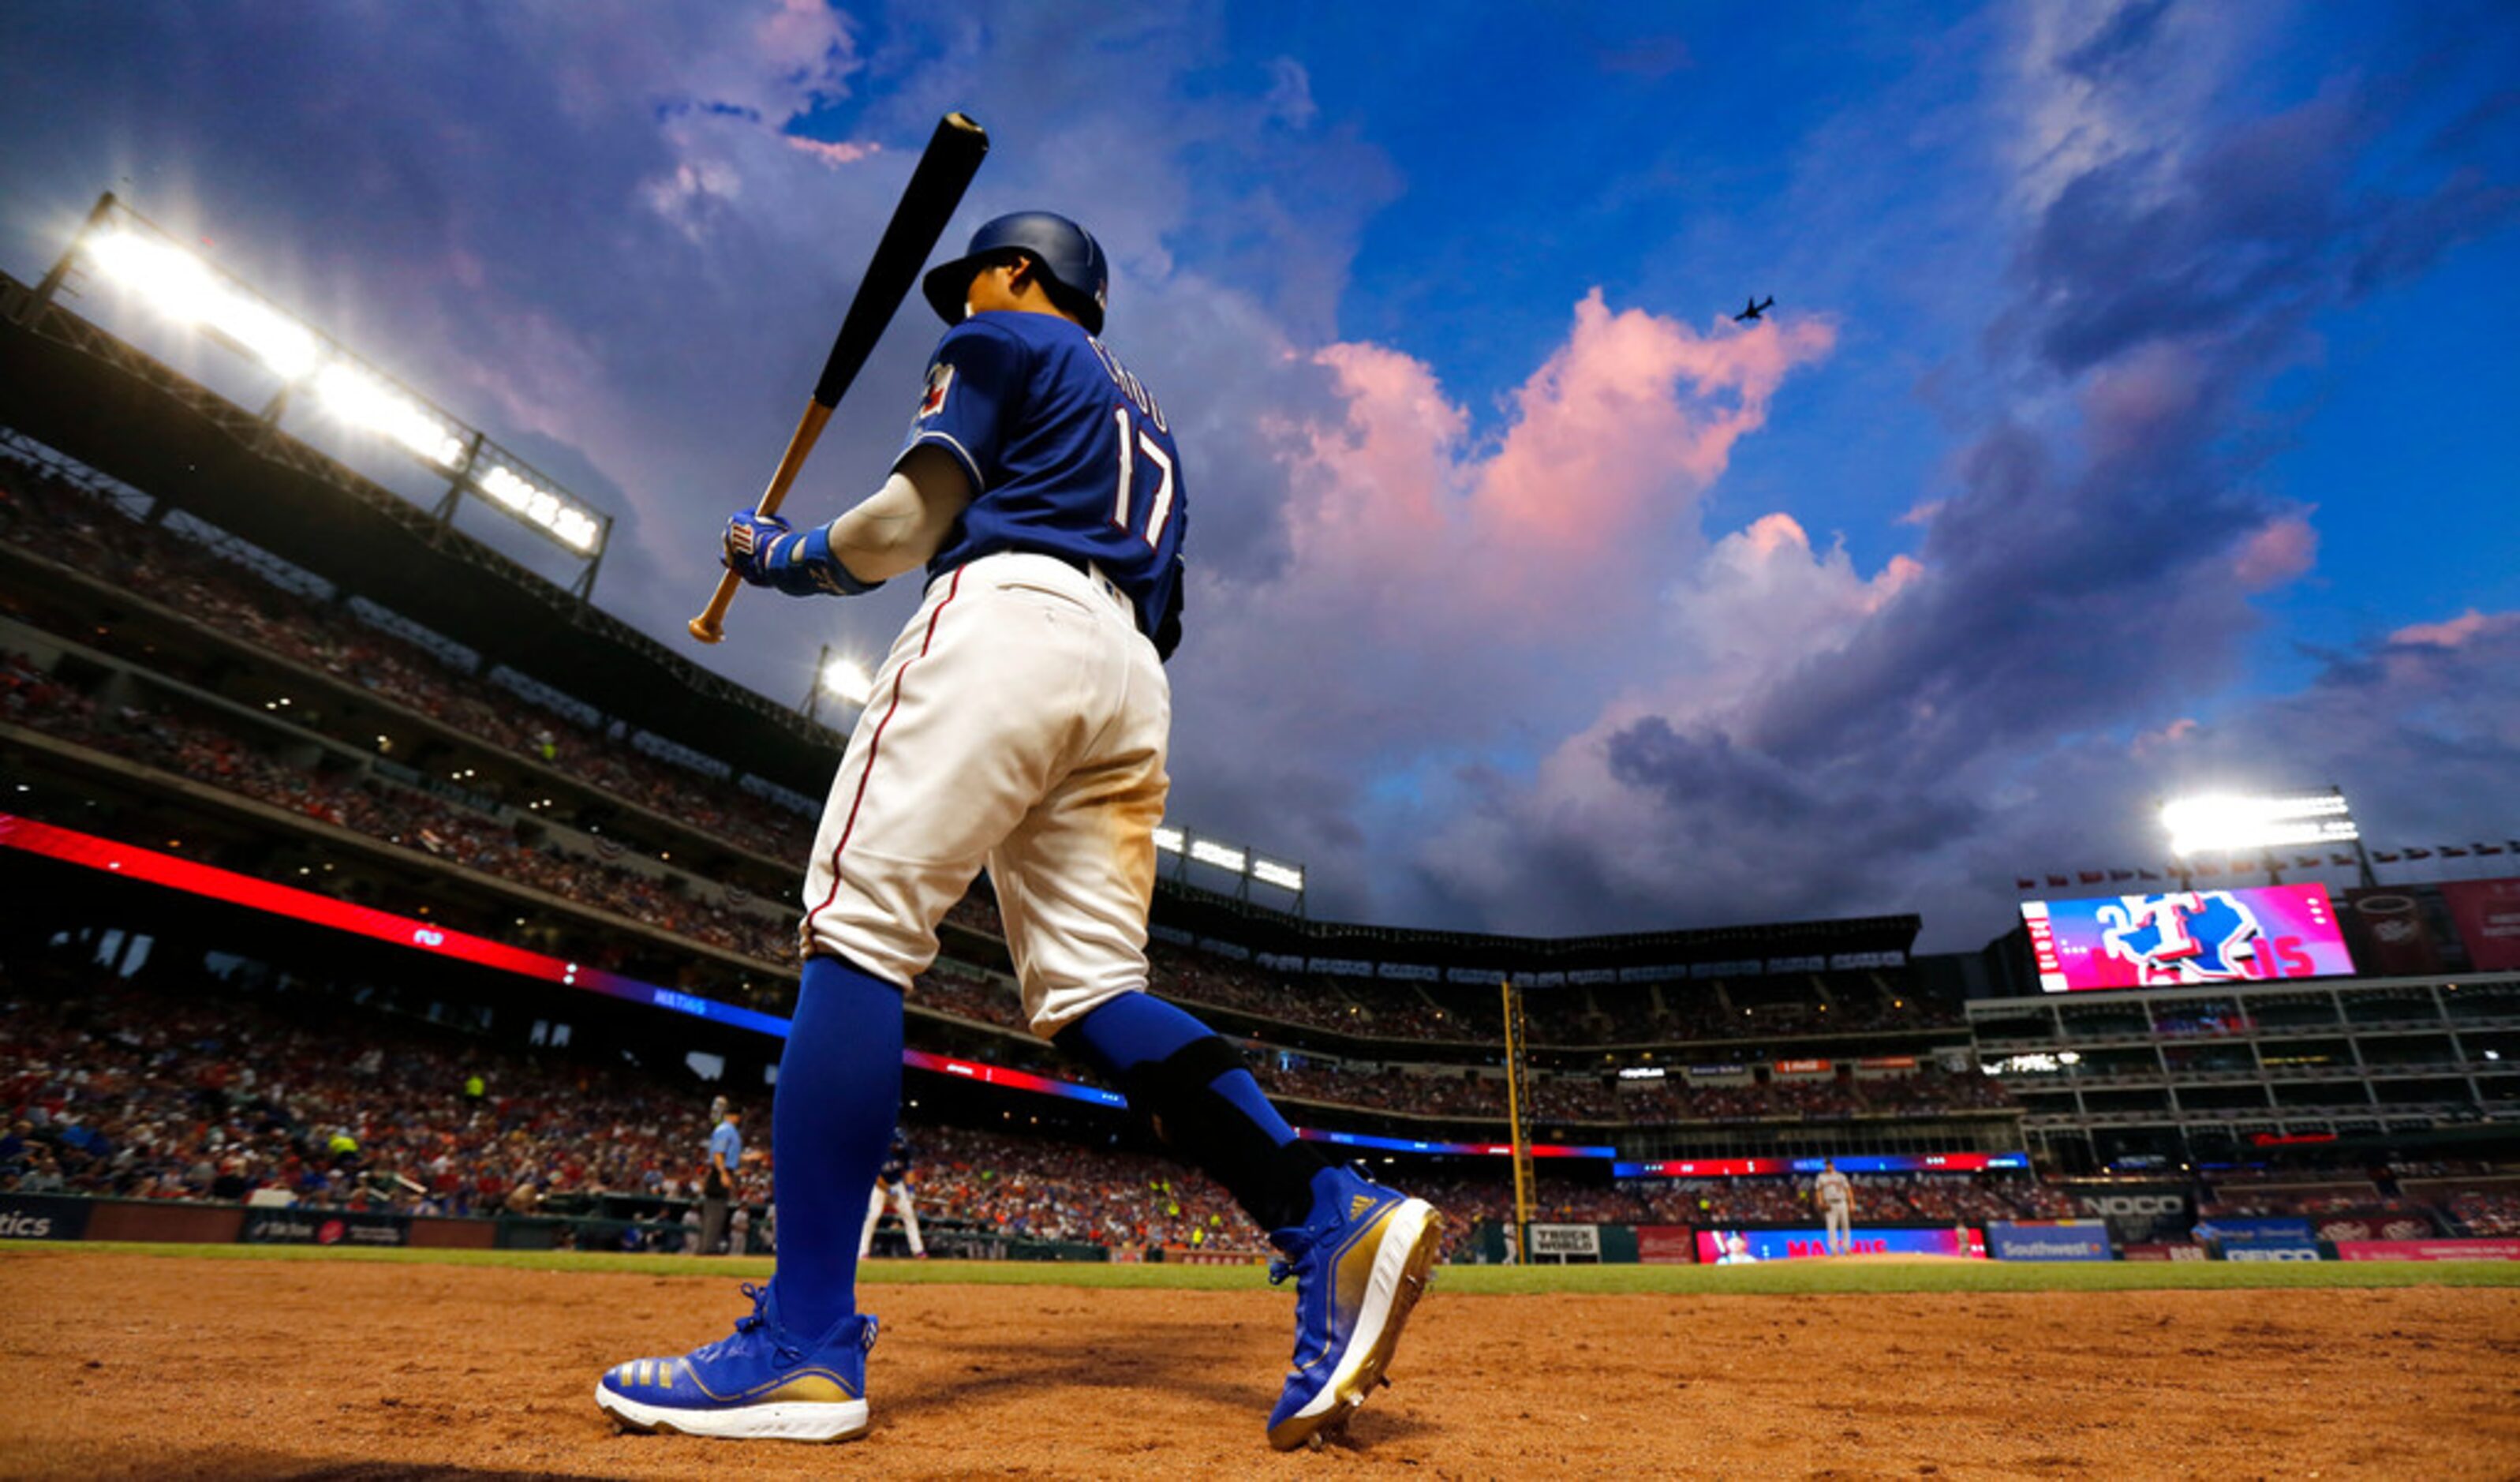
column 832, row 153
column 2458, row 631
column 1634, row 416
column 1594, row 484
column 2275, row 554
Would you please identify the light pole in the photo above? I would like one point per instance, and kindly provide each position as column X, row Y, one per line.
column 840, row 676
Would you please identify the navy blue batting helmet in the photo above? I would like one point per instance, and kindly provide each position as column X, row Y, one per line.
column 1070, row 258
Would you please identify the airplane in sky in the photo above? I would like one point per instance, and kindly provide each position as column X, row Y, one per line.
column 1755, row 309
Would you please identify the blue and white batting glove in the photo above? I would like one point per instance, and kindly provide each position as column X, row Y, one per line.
column 766, row 553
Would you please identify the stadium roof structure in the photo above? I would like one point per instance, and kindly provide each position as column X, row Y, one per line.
column 1462, row 955
column 94, row 396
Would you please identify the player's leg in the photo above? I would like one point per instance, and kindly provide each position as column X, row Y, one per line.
column 909, row 1218
column 921, row 793
column 1075, row 883
column 796, row 1367
column 874, row 1217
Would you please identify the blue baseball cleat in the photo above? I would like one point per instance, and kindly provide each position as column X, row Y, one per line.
column 762, row 1384
column 1360, row 1265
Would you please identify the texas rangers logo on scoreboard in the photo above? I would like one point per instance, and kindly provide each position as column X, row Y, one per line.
column 2182, row 937
column 2188, row 937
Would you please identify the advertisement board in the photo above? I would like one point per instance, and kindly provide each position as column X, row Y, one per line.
column 1666, row 1245
column 2163, row 1250
column 2391, row 931
column 2273, row 1250
column 2428, row 1250
column 2048, row 1240
column 1749, row 1247
column 2373, row 1225
column 2186, row 937
column 2256, row 1230
column 1561, row 1241
column 323, row 1227
column 41, row 1217
column 2487, row 916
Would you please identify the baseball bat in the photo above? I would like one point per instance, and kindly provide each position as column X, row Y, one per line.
column 945, row 170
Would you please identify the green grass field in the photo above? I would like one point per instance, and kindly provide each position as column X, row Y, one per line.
column 1801, row 1277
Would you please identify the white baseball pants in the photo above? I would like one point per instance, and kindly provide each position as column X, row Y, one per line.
column 874, row 1215
column 1840, row 1234
column 1021, row 722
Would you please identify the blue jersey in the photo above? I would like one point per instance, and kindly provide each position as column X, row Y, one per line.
column 1068, row 455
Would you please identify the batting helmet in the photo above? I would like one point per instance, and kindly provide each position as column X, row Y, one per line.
column 1070, row 258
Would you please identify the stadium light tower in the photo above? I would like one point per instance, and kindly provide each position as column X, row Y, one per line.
column 188, row 292
column 840, row 676
column 2232, row 823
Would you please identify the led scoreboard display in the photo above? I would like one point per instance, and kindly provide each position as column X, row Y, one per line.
column 2185, row 939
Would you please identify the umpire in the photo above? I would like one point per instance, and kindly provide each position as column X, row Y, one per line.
column 725, row 1155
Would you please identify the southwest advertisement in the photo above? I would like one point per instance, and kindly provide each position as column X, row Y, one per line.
column 1749, row 1247
column 2186, row 937
column 2048, row 1240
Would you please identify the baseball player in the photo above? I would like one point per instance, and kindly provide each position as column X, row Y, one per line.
column 1021, row 723
column 717, row 1183
column 892, row 1179
column 1836, row 1197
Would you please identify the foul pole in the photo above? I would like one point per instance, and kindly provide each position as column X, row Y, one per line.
column 1521, row 1135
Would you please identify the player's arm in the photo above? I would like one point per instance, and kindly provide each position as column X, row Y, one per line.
column 894, row 529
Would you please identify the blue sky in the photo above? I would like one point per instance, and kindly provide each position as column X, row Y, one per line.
column 2135, row 414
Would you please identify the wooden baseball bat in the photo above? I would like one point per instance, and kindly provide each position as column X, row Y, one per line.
column 953, row 156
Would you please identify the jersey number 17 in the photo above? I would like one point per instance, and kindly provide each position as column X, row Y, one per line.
column 1158, row 506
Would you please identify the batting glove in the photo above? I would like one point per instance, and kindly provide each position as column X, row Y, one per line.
column 766, row 553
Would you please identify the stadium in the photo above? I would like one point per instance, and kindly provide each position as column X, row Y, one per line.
column 390, row 925
column 346, row 924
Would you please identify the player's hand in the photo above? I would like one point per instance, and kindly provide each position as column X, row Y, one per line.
column 766, row 552
column 747, row 537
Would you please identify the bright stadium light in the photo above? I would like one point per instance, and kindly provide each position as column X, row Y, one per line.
column 360, row 400
column 1222, row 856
column 190, row 292
column 846, row 680
column 1169, row 840
column 531, row 502
column 2226, row 821
column 185, row 289
column 1269, row 872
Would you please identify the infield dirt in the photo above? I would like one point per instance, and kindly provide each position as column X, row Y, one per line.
column 147, row 1365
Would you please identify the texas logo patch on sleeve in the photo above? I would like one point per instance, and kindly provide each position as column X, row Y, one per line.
column 940, row 379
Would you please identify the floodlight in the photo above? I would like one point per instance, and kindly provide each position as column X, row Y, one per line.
column 535, row 505
column 184, row 289
column 2225, row 822
column 361, row 400
column 846, row 680
column 1270, row 872
column 1207, row 852
column 1169, row 840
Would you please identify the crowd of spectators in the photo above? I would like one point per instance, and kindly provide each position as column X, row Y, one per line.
column 119, row 1089
column 2487, row 1211
column 88, row 530
column 183, row 1087
column 2225, row 1200
column 384, row 809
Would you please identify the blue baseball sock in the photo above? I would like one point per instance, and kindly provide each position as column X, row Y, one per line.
column 832, row 1118
column 1203, row 1100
